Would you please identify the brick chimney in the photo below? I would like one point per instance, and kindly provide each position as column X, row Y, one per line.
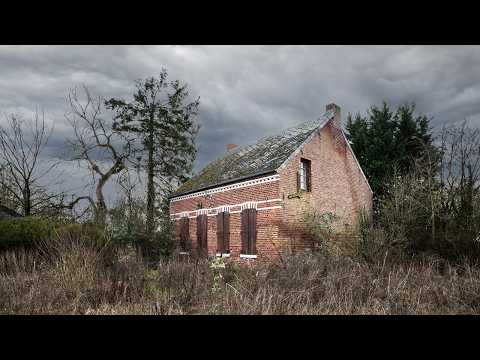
column 337, row 114
column 336, row 124
column 230, row 147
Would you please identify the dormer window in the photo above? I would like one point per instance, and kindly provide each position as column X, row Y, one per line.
column 304, row 175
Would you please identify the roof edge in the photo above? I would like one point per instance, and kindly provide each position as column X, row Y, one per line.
column 231, row 181
column 356, row 160
column 306, row 141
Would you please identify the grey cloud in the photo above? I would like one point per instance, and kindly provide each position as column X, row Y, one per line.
column 249, row 91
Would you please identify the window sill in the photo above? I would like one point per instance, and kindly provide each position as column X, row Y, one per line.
column 246, row 256
column 224, row 255
column 184, row 253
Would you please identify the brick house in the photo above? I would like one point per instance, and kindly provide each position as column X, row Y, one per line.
column 251, row 202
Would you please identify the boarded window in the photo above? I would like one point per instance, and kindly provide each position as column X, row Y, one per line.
column 248, row 231
column 304, row 176
column 223, row 233
column 202, row 233
column 184, row 234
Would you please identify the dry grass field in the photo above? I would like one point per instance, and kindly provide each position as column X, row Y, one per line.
column 71, row 278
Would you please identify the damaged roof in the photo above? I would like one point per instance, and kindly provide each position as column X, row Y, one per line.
column 265, row 156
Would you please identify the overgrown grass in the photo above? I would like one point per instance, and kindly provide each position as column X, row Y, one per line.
column 75, row 277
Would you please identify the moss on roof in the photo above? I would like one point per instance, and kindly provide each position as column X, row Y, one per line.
column 266, row 155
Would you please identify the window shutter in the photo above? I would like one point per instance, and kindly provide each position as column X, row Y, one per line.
column 199, row 232
column 253, row 232
column 226, row 232
column 220, row 232
column 199, row 225
column 205, row 232
column 202, row 232
column 199, row 246
column 244, row 231
column 187, row 233
column 184, row 233
column 298, row 180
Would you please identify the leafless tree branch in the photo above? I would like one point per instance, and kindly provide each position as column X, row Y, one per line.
column 22, row 144
column 105, row 150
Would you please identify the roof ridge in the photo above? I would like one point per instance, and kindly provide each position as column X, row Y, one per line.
column 318, row 121
column 285, row 131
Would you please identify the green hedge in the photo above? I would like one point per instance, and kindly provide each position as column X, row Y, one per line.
column 23, row 232
column 26, row 232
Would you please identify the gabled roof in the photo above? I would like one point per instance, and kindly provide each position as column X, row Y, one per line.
column 263, row 157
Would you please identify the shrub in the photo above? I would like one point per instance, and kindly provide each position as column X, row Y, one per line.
column 128, row 228
column 127, row 222
column 324, row 230
column 30, row 233
column 88, row 235
column 155, row 247
column 93, row 234
column 23, row 232
column 371, row 245
column 417, row 217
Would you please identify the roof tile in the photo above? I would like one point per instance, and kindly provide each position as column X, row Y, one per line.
column 266, row 155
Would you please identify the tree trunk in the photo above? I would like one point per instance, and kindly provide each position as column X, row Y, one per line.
column 101, row 208
column 150, row 185
column 27, row 207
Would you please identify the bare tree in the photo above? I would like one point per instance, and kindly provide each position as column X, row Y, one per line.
column 436, row 206
column 6, row 183
column 104, row 150
column 460, row 176
column 22, row 144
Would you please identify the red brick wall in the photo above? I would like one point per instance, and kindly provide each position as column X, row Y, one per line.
column 267, row 220
column 337, row 183
column 258, row 192
column 338, row 186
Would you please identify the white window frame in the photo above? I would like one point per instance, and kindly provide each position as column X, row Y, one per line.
column 303, row 176
column 223, row 255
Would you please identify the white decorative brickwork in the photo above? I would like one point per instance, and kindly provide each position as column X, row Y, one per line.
column 249, row 205
column 202, row 211
column 239, row 185
column 227, row 208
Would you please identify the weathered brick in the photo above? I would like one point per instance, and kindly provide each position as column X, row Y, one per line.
column 338, row 186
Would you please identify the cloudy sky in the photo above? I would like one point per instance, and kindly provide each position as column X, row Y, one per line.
column 249, row 91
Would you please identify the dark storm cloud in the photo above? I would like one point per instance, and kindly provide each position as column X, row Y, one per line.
column 249, row 91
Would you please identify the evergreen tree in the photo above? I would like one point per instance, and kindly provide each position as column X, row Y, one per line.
column 162, row 121
column 387, row 142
